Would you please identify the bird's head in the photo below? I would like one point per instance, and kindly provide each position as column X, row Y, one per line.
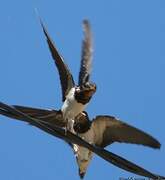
column 82, row 123
column 84, row 92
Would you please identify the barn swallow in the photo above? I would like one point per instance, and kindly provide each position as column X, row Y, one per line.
column 96, row 134
column 75, row 97
column 52, row 122
column 99, row 128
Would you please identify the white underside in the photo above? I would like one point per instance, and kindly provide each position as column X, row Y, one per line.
column 71, row 108
column 84, row 155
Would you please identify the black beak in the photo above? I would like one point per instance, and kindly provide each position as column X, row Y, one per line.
column 81, row 174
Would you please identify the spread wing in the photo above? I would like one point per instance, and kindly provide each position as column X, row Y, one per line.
column 49, row 127
column 51, row 117
column 86, row 58
column 66, row 78
column 108, row 130
column 71, row 138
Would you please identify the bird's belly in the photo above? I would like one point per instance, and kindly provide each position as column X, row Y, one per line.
column 84, row 155
column 71, row 108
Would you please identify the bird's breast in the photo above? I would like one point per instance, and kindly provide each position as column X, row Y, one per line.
column 71, row 108
column 83, row 155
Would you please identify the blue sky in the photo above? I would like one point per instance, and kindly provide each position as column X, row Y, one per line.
column 128, row 68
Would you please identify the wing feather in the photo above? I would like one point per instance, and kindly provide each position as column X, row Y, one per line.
column 51, row 117
column 108, row 130
column 66, row 78
column 86, row 60
column 72, row 138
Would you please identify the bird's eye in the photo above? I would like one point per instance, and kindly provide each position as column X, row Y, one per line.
column 78, row 89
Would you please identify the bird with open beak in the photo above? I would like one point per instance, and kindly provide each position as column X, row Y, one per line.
column 75, row 97
column 96, row 134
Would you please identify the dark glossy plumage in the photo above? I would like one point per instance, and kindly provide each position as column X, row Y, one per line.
column 106, row 129
column 86, row 59
column 66, row 78
column 56, row 131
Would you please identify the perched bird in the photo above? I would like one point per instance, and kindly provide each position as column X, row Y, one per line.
column 75, row 97
column 96, row 134
column 51, row 121
column 104, row 129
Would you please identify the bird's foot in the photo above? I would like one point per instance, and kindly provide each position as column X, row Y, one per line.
column 66, row 130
